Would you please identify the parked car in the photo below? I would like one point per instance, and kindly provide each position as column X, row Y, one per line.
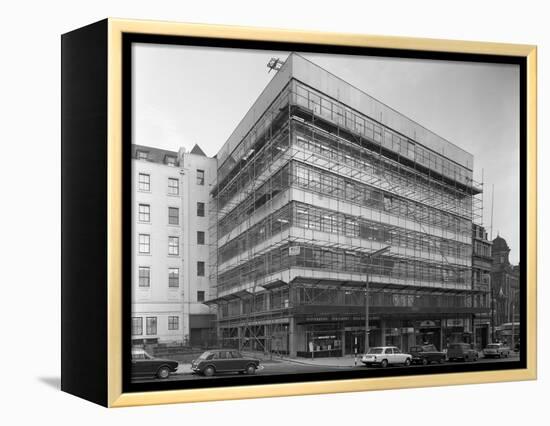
column 224, row 361
column 145, row 365
column 496, row 350
column 386, row 355
column 426, row 354
column 461, row 351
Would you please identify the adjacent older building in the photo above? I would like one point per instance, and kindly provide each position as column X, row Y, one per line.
column 505, row 286
column 317, row 177
column 170, row 246
column 482, row 262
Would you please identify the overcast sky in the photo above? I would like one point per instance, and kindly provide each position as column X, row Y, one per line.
column 186, row 95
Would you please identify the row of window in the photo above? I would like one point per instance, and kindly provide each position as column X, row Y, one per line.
column 298, row 296
column 340, row 260
column 151, row 325
column 144, row 182
column 144, row 213
column 173, row 275
column 145, row 277
column 315, row 218
column 144, row 244
column 483, row 249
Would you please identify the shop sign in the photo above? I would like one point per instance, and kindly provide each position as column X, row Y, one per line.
column 455, row 323
column 427, row 323
column 294, row 250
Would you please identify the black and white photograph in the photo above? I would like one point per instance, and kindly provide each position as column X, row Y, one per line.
column 300, row 213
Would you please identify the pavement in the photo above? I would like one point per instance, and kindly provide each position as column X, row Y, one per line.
column 284, row 365
column 336, row 362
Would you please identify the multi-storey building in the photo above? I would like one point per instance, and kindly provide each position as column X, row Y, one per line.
column 316, row 178
column 482, row 262
column 505, row 284
column 170, row 258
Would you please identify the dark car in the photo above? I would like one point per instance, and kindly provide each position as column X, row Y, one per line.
column 145, row 365
column 224, row 361
column 461, row 351
column 426, row 354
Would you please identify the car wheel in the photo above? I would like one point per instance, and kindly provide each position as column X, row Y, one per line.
column 384, row 363
column 441, row 360
column 163, row 373
column 499, row 356
column 209, row 371
column 407, row 362
column 250, row 369
column 424, row 361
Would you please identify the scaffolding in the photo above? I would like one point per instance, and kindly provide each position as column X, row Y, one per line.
column 374, row 178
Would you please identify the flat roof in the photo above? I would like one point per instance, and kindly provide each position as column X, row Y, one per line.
column 299, row 68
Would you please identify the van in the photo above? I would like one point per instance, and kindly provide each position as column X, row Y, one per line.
column 461, row 351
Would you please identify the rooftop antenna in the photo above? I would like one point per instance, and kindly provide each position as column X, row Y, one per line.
column 275, row 64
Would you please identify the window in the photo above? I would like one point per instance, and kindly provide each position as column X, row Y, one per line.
column 200, row 209
column 173, row 323
column 137, row 326
column 170, row 160
column 144, row 213
column 200, row 237
column 173, row 215
column 200, row 269
column 173, row 186
column 200, row 296
column 151, row 325
column 200, row 177
column 174, row 245
column 142, row 155
column 173, row 277
column 144, row 182
column 144, row 276
column 144, row 243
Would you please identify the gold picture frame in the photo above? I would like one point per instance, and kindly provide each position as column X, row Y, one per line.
column 115, row 396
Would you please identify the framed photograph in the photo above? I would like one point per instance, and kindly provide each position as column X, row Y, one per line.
column 255, row 212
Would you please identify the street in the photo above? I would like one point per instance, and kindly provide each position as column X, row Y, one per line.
column 285, row 366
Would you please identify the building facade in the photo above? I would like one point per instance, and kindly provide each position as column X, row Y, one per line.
column 505, row 286
column 482, row 262
column 316, row 178
column 171, row 254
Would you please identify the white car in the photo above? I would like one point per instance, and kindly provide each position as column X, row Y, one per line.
column 496, row 350
column 386, row 355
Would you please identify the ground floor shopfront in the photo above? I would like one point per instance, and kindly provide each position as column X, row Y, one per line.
column 348, row 336
column 333, row 336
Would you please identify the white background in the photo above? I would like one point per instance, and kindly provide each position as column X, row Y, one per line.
column 30, row 237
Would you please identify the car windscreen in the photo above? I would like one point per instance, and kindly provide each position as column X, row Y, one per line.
column 375, row 351
column 207, row 355
column 492, row 346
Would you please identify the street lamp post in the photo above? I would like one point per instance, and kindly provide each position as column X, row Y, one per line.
column 370, row 257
